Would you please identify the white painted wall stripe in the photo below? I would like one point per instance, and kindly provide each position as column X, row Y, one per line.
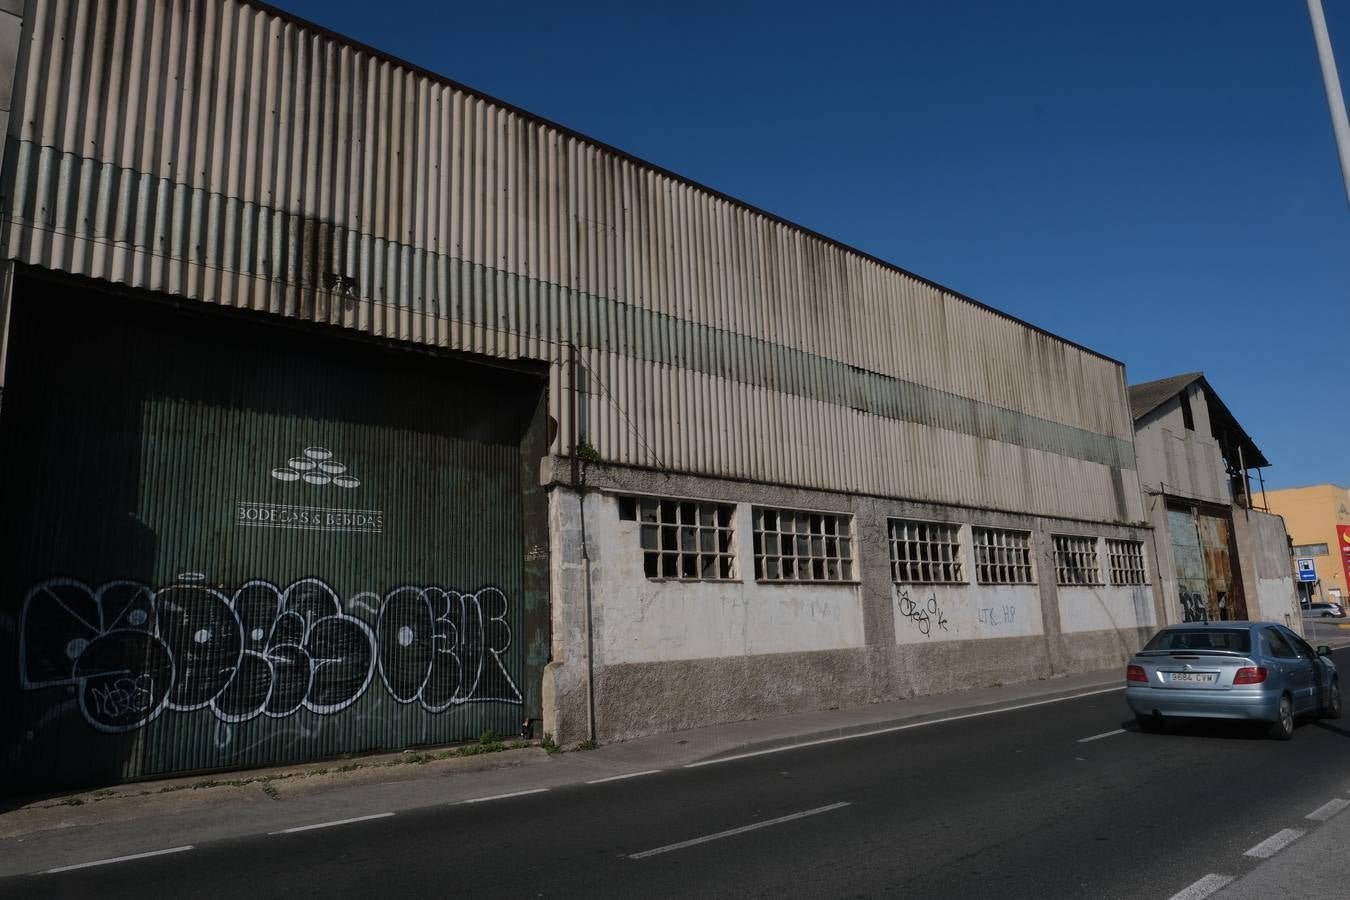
column 332, row 824
column 1275, row 843
column 895, row 728
column 1104, row 734
column 118, row 859
column 1327, row 810
column 735, row 831
column 623, row 776
column 1202, row 888
column 504, row 796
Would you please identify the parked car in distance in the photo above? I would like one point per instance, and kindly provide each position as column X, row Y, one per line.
column 1323, row 611
column 1252, row 671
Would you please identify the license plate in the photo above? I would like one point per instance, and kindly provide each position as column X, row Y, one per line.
column 1193, row 677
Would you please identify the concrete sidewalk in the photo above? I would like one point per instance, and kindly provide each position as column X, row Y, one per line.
column 47, row 830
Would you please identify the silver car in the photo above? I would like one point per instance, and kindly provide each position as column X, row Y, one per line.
column 1255, row 671
column 1323, row 611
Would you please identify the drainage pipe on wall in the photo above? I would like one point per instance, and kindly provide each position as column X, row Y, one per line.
column 579, row 485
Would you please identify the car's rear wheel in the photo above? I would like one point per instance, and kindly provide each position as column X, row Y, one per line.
column 1151, row 724
column 1282, row 729
column 1332, row 708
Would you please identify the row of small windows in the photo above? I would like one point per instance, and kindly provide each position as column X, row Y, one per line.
column 695, row 540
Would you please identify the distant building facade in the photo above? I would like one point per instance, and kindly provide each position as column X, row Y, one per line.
column 1318, row 519
column 1218, row 558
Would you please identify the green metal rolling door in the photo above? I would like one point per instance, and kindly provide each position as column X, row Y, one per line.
column 236, row 545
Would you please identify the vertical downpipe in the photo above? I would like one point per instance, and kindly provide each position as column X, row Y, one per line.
column 6, row 301
column 579, row 486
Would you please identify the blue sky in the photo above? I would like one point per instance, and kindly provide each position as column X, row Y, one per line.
column 1154, row 179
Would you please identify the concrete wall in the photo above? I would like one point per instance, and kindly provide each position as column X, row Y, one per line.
column 673, row 654
column 1267, row 575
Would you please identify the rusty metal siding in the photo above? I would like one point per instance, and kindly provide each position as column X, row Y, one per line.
column 222, row 153
column 232, row 546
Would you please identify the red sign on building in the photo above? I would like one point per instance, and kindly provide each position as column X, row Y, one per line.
column 1343, row 543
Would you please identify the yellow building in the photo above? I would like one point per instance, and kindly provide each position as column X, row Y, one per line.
column 1318, row 521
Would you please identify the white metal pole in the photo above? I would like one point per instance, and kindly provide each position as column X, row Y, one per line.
column 1335, row 100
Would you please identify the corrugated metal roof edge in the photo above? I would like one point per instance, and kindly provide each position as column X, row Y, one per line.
column 436, row 76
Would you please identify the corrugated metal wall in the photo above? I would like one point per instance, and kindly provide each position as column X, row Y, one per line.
column 218, row 151
column 229, row 546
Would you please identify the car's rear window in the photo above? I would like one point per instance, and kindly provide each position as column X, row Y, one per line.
column 1235, row 640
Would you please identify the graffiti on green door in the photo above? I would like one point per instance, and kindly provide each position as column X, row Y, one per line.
column 133, row 651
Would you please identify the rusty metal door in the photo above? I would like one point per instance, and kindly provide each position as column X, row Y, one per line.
column 1208, row 586
column 231, row 545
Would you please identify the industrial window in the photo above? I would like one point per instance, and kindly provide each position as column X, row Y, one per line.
column 1126, row 559
column 1309, row 549
column 685, row 539
column 1002, row 556
column 1076, row 560
column 802, row 546
column 925, row 552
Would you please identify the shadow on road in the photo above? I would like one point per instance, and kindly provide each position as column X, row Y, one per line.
column 1206, row 728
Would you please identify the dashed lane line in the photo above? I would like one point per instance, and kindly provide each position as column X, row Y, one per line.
column 333, row 824
column 1202, row 888
column 504, row 796
column 894, row 728
column 1327, row 810
column 118, row 859
column 735, row 831
column 623, row 776
column 1104, row 734
column 1275, row 843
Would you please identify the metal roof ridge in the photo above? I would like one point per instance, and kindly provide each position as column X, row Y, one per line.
column 662, row 170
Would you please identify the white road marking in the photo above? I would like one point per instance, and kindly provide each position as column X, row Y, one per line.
column 1202, row 888
column 332, row 824
column 734, row 831
column 504, row 796
column 1327, row 810
column 622, row 777
column 1275, row 843
column 118, row 859
column 1104, row 734
column 895, row 728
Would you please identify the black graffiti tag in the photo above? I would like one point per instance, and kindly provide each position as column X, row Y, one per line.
column 923, row 615
column 1193, row 606
column 133, row 651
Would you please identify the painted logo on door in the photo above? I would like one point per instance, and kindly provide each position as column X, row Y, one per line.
column 315, row 469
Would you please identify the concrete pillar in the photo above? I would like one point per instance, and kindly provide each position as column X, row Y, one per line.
column 11, row 31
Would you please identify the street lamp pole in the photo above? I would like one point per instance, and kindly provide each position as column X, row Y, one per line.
column 1335, row 100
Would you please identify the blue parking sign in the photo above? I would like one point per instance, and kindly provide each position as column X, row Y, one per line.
column 1307, row 570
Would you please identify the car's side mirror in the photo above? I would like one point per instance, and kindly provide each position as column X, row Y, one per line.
column 1323, row 650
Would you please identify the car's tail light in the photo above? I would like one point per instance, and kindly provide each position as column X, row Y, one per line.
column 1135, row 673
column 1250, row 675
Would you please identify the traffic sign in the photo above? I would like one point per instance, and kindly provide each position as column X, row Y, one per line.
column 1307, row 570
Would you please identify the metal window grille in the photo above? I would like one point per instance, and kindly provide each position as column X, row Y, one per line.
column 1002, row 556
column 925, row 552
column 802, row 546
column 691, row 540
column 1076, row 560
column 1309, row 549
column 1126, row 560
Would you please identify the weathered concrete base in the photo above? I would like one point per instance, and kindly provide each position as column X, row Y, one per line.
column 667, row 655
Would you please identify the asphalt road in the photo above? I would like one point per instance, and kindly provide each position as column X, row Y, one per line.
column 1014, row 804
